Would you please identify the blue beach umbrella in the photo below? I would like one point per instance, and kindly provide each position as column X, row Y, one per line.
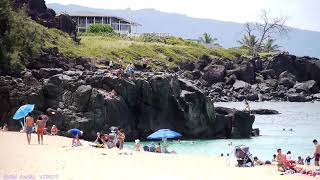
column 23, row 111
column 164, row 133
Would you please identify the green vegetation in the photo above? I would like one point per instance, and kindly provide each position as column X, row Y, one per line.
column 100, row 28
column 208, row 39
column 23, row 38
column 133, row 50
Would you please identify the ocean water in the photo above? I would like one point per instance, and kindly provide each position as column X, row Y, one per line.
column 303, row 118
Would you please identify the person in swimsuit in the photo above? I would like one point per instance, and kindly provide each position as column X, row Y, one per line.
column 121, row 138
column 40, row 129
column 137, row 145
column 5, row 127
column 158, row 148
column 280, row 160
column 76, row 133
column 316, row 153
column 29, row 127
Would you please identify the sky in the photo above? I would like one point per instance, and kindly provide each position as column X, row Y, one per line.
column 303, row 14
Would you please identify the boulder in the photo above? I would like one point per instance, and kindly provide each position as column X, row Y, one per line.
column 247, row 73
column 187, row 65
column 240, row 85
column 295, row 97
column 268, row 73
column 312, row 86
column 214, row 73
column 48, row 72
column 301, row 87
column 264, row 111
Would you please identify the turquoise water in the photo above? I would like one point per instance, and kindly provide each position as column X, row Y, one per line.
column 303, row 118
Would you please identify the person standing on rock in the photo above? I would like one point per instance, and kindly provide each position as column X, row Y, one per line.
column 247, row 108
column 29, row 127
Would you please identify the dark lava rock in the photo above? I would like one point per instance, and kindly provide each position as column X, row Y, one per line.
column 264, row 111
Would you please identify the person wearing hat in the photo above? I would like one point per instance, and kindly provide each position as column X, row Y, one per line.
column 137, row 145
column 54, row 130
column 76, row 133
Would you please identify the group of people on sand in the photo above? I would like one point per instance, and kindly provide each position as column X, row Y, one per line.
column 286, row 164
column 114, row 139
column 158, row 148
column 38, row 126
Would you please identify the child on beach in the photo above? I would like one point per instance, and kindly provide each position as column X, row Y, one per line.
column 40, row 129
column 29, row 127
column 5, row 127
column 54, row 130
column 308, row 160
column 137, row 145
column 300, row 160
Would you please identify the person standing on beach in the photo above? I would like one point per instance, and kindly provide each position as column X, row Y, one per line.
column 40, row 129
column 29, row 127
column 121, row 138
column 316, row 153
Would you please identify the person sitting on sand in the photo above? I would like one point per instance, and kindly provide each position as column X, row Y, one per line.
column 40, row 129
column 300, row 160
column 29, row 127
column 54, row 130
column 99, row 139
column 316, row 152
column 280, row 160
column 76, row 133
column 5, row 127
column 308, row 160
column 158, row 148
column 257, row 162
column 289, row 155
column 137, row 145
column 274, row 159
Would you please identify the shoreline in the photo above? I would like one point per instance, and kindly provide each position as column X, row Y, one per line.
column 56, row 159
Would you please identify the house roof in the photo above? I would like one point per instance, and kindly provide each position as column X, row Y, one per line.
column 91, row 14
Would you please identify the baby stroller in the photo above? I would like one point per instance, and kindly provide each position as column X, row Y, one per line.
column 243, row 155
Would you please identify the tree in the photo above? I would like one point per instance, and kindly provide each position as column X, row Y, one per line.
column 208, row 39
column 249, row 42
column 270, row 46
column 268, row 28
column 100, row 28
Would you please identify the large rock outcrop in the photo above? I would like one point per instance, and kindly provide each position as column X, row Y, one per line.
column 282, row 77
column 155, row 100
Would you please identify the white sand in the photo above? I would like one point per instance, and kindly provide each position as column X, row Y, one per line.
column 56, row 159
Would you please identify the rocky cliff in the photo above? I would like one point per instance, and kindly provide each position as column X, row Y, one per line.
column 282, row 77
column 79, row 94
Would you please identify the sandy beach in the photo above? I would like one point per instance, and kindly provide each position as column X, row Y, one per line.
column 56, row 159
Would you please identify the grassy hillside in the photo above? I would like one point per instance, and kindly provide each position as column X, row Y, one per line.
column 134, row 49
column 24, row 38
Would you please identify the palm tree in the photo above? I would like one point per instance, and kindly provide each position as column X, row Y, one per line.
column 249, row 42
column 208, row 39
column 270, row 46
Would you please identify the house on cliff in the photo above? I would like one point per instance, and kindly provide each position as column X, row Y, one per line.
column 119, row 25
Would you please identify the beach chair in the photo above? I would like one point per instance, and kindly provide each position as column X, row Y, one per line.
column 243, row 155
